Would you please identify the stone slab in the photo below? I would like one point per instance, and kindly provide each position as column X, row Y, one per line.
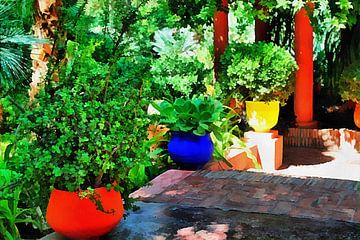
column 160, row 183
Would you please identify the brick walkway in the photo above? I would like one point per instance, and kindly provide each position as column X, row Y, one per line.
column 316, row 198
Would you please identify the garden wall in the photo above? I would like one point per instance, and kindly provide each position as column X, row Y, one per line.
column 331, row 139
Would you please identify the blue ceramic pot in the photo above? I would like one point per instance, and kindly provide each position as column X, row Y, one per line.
column 190, row 151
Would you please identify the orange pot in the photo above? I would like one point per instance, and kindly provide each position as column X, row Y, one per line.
column 357, row 115
column 77, row 218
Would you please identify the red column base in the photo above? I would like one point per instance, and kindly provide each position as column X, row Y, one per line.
column 309, row 124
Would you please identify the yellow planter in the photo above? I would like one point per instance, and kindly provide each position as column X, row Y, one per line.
column 262, row 116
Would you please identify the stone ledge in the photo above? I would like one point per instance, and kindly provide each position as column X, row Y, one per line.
column 160, row 183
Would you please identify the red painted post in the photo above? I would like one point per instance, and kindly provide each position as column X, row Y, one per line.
column 221, row 32
column 261, row 27
column 303, row 99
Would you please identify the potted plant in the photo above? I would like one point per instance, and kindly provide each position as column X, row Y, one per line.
column 190, row 120
column 264, row 74
column 81, row 144
column 350, row 87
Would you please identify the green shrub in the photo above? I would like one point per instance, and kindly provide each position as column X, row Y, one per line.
column 76, row 138
column 259, row 71
column 350, row 82
column 182, row 68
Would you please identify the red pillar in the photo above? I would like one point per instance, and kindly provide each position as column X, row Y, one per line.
column 303, row 99
column 221, row 31
column 261, row 27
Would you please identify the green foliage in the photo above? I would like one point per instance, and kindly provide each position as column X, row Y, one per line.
column 339, row 16
column 183, row 66
column 11, row 214
column 170, row 42
column 335, row 24
column 15, row 43
column 10, row 190
column 260, row 71
column 241, row 22
column 228, row 136
column 336, row 44
column 89, row 128
column 75, row 138
column 193, row 13
column 350, row 82
column 12, row 108
column 196, row 115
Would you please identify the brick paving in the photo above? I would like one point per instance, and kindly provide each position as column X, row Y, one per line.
column 308, row 197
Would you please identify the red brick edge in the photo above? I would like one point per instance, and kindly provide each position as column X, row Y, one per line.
column 331, row 139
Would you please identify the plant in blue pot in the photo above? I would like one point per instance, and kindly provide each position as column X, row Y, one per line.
column 191, row 120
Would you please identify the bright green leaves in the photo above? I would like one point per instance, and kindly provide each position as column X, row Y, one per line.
column 195, row 115
column 282, row 4
column 261, row 71
column 11, row 214
column 137, row 174
column 183, row 65
column 57, row 172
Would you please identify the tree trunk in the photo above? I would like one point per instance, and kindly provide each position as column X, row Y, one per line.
column 46, row 21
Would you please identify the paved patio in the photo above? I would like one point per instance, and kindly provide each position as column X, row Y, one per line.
column 314, row 196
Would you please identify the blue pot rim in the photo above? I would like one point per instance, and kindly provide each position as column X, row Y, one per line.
column 180, row 133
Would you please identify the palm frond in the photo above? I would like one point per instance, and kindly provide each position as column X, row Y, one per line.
column 12, row 64
column 74, row 10
column 22, row 40
column 4, row 9
column 15, row 63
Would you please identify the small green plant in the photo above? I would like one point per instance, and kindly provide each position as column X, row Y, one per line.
column 197, row 115
column 350, row 82
column 259, row 71
column 228, row 136
column 11, row 213
column 182, row 68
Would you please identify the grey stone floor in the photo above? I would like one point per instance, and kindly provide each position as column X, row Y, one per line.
column 167, row 221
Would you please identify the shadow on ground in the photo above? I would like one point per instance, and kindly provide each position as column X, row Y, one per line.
column 308, row 156
column 165, row 221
